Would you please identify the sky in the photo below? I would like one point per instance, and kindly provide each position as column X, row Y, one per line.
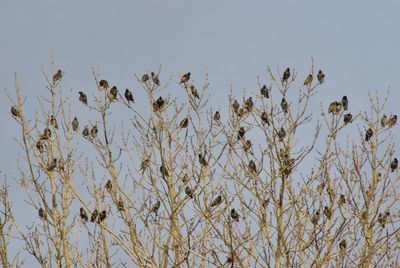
column 356, row 43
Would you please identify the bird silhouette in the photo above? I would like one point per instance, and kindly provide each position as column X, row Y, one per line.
column 53, row 122
column 15, row 112
column 93, row 131
column 46, row 134
column 57, row 76
column 281, row 134
column 145, row 165
column 185, row 77
column 284, row 105
column 308, row 80
column 52, row 165
column 112, row 94
column 264, row 91
column 327, row 212
column 83, row 215
column 252, row 167
column 286, row 75
column 217, row 116
column 83, row 97
column 368, row 134
column 241, row 133
column 164, row 171
column 160, row 103
column 42, row 214
column 343, row 245
column 155, row 79
column 109, row 186
column 247, row 145
column 392, row 121
column 102, row 216
column 145, row 78
column 248, row 104
column 129, row 96
column 103, row 84
column 394, row 164
column 189, row 191
column 216, row 202
column 184, row 123
column 345, row 103
column 315, row 218
column 321, row 77
column 202, row 160
column 156, row 207
column 94, row 215
column 264, row 118
column 234, row 215
column 335, row 107
column 75, row 124
column 347, row 118
column 342, row 200
column 85, row 131
column 235, row 106
column 39, row 146
column 194, row 92
column 384, row 120
column 120, row 204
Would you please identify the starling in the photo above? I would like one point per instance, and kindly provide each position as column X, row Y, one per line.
column 160, row 103
column 145, row 165
column 321, row 77
column 46, row 134
column 345, row 103
column 184, row 123
column 164, row 171
column 39, row 146
column 342, row 200
column 189, row 191
column 145, row 78
column 112, row 94
column 120, row 204
column 75, row 124
column 384, row 120
column 235, row 106
column 328, row 212
column 194, row 92
column 264, row 118
column 281, row 134
column 343, row 245
column 394, row 164
column 102, row 216
column 234, row 214
column 335, row 107
column 347, row 118
column 284, row 105
column 52, row 165
column 252, row 167
column 155, row 78
column 83, row 97
column 83, row 215
column 248, row 104
column 216, row 202
column 185, row 179
column 94, row 215
column 382, row 219
column 308, row 80
column 315, row 218
column 265, row 203
column 247, row 145
column 240, row 113
column 103, row 84
column 392, row 121
column 109, row 186
column 129, row 96
column 156, row 207
column 57, row 76
column 93, row 131
column 14, row 111
column 185, row 77
column 286, row 75
column 241, row 133
column 53, row 122
column 85, row 131
column 202, row 160
column 42, row 214
column 368, row 134
column 264, row 91
column 217, row 116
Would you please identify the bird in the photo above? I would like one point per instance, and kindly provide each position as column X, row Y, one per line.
column 342, row 200
column 189, row 191
column 315, row 218
column 93, row 131
column 384, row 120
column 83, row 215
column 328, row 212
column 75, row 124
column 217, row 116
column 321, row 77
column 347, row 118
column 308, row 80
column 185, row 179
column 202, row 160
column 160, row 103
column 15, row 112
column 335, row 107
column 129, row 96
column 120, row 204
column 83, row 97
column 94, row 215
column 264, row 91
column 247, row 145
column 185, row 77
column 241, row 133
column 155, row 79
column 53, row 122
column 281, row 134
column 85, row 131
column 39, row 146
column 52, row 165
column 235, row 106
column 184, row 123
column 145, row 165
column 343, row 245
column 392, row 121
column 145, row 78
column 57, row 76
column 345, row 103
column 194, row 92
column 394, row 164
column 109, row 186
column 156, row 207
column 216, row 202
column 248, row 104
column 286, row 75
column 382, row 219
column 46, row 134
column 240, row 113
column 234, row 214
column 284, row 105
column 264, row 118
column 252, row 167
column 369, row 134
column 112, row 94
column 102, row 216
column 164, row 171
column 103, row 84
column 42, row 214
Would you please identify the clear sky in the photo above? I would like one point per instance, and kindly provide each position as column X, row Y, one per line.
column 356, row 43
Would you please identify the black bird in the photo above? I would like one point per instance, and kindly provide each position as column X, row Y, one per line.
column 216, row 202
column 185, row 77
column 368, row 134
column 160, row 103
column 57, row 76
column 112, row 94
column 194, row 92
column 315, row 218
column 264, row 91
column 85, row 131
column 184, row 123
column 94, row 215
column 109, row 186
column 248, row 104
column 234, row 214
column 42, row 214
column 46, row 134
column 394, row 164
column 284, row 105
column 103, row 84
column 264, row 118
column 93, row 131
column 164, row 171
column 155, row 78
column 189, row 191
column 145, row 78
column 328, row 212
column 235, row 106
column 75, row 124
column 156, row 207
column 203, row 160
column 343, row 245
column 252, row 167
column 52, row 165
column 129, row 96
column 286, row 75
column 247, row 145
column 39, row 146
column 102, row 216
column 342, row 200
column 53, row 122
column 308, row 80
column 120, row 205
column 321, row 77
column 281, row 134
column 217, row 116
column 14, row 111
column 83, row 215
column 82, row 97
column 241, row 133
column 347, row 118
column 392, row 121
column 345, row 103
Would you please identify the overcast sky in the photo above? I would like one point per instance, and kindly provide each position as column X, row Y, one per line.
column 356, row 43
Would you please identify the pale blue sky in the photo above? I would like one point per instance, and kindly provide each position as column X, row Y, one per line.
column 356, row 43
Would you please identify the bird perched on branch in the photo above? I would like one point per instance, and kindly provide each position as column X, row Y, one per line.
column 184, row 123
column 94, row 215
column 46, row 134
column 83, row 215
column 112, row 94
column 14, row 111
column 75, row 124
column 368, row 134
column 281, row 134
column 264, row 91
column 248, row 104
column 235, row 214
column 185, row 77
column 156, row 207
column 42, row 214
column 241, row 133
column 264, row 118
column 145, row 165
column 392, row 121
column 235, row 106
column 85, row 131
column 155, row 79
column 394, row 164
column 347, row 118
column 189, row 191
column 335, row 107
column 345, row 103
column 216, row 202
column 129, row 96
column 57, row 76
column 93, row 131
column 160, row 103
column 315, row 218
column 194, row 92
column 39, row 146
column 83, row 97
column 308, row 80
column 202, row 160
column 327, row 212
column 286, row 75
column 103, row 84
column 164, row 171
column 145, row 78
column 102, row 216
column 252, row 167
column 284, row 105
column 217, row 116
column 53, row 122
column 52, row 165
column 321, row 77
